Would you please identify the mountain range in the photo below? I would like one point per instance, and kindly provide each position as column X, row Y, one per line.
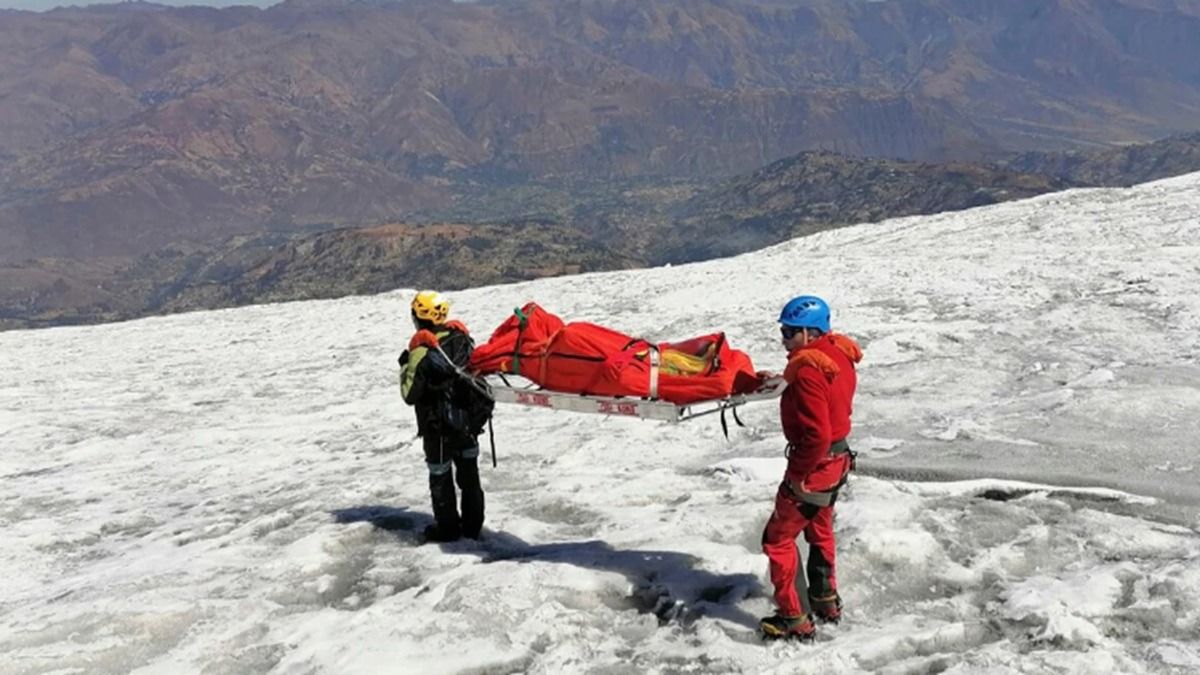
column 127, row 128
column 551, row 228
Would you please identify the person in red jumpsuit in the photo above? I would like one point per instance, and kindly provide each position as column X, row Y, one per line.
column 815, row 411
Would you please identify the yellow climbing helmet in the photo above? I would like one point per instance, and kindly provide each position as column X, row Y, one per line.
column 431, row 306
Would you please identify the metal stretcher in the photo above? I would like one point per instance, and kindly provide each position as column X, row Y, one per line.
column 503, row 391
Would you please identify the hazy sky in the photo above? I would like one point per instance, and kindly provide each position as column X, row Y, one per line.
column 38, row 5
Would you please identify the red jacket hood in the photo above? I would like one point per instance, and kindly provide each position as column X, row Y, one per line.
column 811, row 355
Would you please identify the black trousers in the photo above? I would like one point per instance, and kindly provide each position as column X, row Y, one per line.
column 449, row 463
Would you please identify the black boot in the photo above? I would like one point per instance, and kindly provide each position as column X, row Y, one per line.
column 437, row 534
column 827, row 608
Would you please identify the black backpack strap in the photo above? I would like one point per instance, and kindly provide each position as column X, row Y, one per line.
column 724, row 425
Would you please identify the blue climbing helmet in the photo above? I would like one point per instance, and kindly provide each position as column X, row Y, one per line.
column 806, row 311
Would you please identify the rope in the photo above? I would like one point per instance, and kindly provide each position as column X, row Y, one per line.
column 471, row 380
column 465, row 375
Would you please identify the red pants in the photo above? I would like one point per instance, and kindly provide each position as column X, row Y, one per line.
column 789, row 519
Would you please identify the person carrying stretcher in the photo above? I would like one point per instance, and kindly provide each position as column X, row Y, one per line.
column 815, row 413
column 431, row 381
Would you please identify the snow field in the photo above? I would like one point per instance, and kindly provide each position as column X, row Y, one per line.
column 240, row 491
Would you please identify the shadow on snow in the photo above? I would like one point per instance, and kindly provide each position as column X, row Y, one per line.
column 665, row 583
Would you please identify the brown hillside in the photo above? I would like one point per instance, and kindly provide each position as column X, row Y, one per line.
column 125, row 127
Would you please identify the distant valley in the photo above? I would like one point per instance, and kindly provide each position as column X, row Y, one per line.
column 556, row 228
column 157, row 159
column 130, row 127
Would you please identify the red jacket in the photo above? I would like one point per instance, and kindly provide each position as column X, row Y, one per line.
column 816, row 407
